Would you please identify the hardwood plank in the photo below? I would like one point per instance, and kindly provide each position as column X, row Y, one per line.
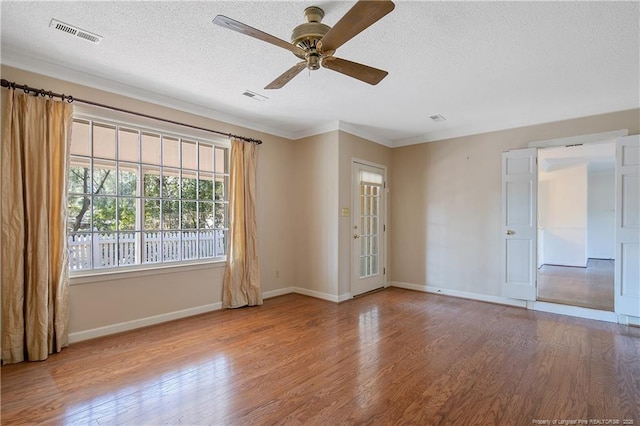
column 590, row 287
column 394, row 356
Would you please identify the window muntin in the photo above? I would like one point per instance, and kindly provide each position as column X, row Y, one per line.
column 370, row 198
column 138, row 196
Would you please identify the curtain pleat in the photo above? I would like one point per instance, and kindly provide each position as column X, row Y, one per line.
column 35, row 314
column 241, row 285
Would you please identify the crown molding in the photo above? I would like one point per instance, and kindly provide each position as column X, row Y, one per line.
column 612, row 106
column 342, row 126
column 20, row 60
column 329, row 126
column 362, row 132
column 40, row 66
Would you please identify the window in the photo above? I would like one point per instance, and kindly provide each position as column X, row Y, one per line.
column 139, row 196
column 370, row 198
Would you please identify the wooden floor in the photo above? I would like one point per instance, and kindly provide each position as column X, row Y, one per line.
column 392, row 357
column 590, row 287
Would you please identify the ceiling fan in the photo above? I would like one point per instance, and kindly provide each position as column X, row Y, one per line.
column 315, row 43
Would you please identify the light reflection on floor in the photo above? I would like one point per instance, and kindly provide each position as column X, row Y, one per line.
column 369, row 338
column 200, row 385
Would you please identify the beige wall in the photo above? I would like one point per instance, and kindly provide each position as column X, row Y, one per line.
column 445, row 203
column 315, row 207
column 322, row 186
column 353, row 148
column 443, row 214
column 114, row 300
column 274, row 196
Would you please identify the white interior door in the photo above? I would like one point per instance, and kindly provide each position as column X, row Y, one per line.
column 519, row 200
column 368, row 256
column 627, row 264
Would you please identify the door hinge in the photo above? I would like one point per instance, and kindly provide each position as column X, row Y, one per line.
column 384, row 185
column 384, row 228
column 384, row 271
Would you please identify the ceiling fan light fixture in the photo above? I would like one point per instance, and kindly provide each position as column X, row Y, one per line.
column 313, row 60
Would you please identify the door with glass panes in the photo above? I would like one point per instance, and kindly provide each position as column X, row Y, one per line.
column 368, row 260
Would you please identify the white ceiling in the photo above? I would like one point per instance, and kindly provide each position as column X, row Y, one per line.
column 483, row 65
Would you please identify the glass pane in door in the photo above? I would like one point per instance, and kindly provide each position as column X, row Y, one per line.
column 370, row 193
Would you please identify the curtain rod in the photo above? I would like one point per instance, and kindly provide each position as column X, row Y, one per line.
column 41, row 92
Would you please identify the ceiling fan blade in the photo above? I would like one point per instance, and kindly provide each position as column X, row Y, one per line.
column 361, row 16
column 353, row 69
column 234, row 25
column 287, row 76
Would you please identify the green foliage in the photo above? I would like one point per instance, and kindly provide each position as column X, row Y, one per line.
column 170, row 215
column 189, row 188
column 205, row 189
column 152, row 215
column 183, row 203
column 127, row 214
column 128, row 184
column 171, row 187
column 151, row 183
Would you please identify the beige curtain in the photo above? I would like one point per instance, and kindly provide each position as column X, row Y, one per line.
column 241, row 286
column 35, row 315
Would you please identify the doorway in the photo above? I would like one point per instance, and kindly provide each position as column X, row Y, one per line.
column 368, row 248
column 576, row 225
column 519, row 227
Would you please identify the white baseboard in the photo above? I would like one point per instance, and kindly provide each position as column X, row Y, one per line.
column 317, row 294
column 538, row 306
column 629, row 320
column 278, row 292
column 574, row 311
column 307, row 292
column 461, row 294
column 344, row 297
column 169, row 316
column 553, row 308
column 310, row 293
column 141, row 322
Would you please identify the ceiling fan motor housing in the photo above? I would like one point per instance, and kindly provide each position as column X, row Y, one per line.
column 307, row 35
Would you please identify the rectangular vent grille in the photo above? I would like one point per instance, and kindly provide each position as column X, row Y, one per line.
column 255, row 96
column 437, row 117
column 75, row 31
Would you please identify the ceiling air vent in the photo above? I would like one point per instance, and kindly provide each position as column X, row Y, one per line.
column 75, row 31
column 437, row 118
column 255, row 96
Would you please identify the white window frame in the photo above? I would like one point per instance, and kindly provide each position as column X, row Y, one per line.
column 142, row 124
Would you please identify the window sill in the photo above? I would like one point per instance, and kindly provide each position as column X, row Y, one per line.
column 89, row 277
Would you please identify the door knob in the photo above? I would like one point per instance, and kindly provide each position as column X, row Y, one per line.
column 356, row 236
column 510, row 232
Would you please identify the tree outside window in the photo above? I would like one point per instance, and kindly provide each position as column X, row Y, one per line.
column 139, row 197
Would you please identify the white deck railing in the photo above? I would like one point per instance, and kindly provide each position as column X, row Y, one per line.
column 110, row 249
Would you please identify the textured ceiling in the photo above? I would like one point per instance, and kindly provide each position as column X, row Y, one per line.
column 483, row 65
